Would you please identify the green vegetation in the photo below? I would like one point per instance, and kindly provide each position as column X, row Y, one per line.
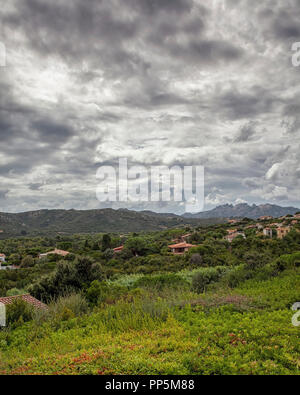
column 219, row 309
column 63, row 222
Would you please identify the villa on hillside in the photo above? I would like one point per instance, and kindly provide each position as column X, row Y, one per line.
column 283, row 231
column 231, row 231
column 54, row 252
column 233, row 235
column 2, row 258
column 181, row 248
column 268, row 232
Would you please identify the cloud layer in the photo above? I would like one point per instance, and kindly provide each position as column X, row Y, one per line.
column 170, row 82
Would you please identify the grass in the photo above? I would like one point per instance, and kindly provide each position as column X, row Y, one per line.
column 247, row 330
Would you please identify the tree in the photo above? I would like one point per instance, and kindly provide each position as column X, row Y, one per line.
column 14, row 259
column 28, row 261
column 196, row 259
column 137, row 245
column 106, row 242
column 69, row 277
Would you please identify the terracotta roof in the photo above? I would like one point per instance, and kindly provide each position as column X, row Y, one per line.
column 3, row 255
column 118, row 248
column 27, row 298
column 182, row 245
column 57, row 252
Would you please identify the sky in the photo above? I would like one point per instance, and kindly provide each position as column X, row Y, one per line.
column 159, row 82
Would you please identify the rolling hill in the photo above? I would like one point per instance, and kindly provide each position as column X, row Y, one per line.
column 89, row 221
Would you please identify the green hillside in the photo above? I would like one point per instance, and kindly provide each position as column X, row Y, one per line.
column 87, row 221
column 219, row 308
column 245, row 331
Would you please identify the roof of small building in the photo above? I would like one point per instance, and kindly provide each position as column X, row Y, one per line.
column 57, row 252
column 181, row 245
column 119, row 248
column 26, row 298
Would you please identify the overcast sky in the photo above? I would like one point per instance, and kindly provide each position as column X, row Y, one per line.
column 184, row 82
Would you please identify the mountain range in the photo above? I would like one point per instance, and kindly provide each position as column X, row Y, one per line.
column 44, row 222
column 244, row 210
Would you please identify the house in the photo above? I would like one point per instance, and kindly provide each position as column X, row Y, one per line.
column 56, row 252
column 265, row 217
column 2, row 258
column 26, row 298
column 118, row 249
column 283, row 231
column 181, row 248
column 297, row 216
column 233, row 235
column 268, row 232
column 231, row 231
column 259, row 226
column 232, row 221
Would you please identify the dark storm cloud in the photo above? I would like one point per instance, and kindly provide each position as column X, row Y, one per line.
column 35, row 187
column 240, row 105
column 152, row 7
column 157, row 81
column 94, row 31
column 52, row 132
column 246, row 132
column 286, row 25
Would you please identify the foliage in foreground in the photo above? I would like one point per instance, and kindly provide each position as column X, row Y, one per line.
column 247, row 330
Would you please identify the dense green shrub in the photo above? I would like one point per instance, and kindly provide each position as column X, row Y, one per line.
column 287, row 262
column 202, row 279
column 18, row 312
column 100, row 292
column 69, row 277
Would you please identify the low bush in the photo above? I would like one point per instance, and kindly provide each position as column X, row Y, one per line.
column 202, row 279
column 103, row 292
column 18, row 312
column 162, row 281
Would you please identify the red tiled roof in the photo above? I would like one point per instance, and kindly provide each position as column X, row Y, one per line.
column 181, row 245
column 118, row 248
column 3, row 255
column 27, row 298
column 57, row 252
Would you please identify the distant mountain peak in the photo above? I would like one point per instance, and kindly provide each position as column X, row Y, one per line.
column 242, row 210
